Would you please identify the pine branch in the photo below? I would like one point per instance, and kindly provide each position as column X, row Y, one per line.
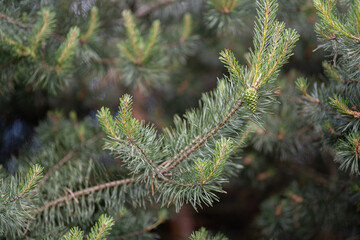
column 177, row 160
column 67, row 50
column 341, row 105
column 74, row 234
column 302, row 84
column 264, row 35
column 279, row 58
column 228, row 58
column 187, row 23
column 93, row 25
column 203, row 234
column 333, row 74
column 42, row 28
column 133, row 34
column 13, row 21
column 210, row 171
column 83, row 192
column 19, row 48
column 331, row 71
column 201, row 126
column 101, row 229
column 154, row 36
column 325, row 11
column 129, row 126
column 29, row 183
column 186, row 28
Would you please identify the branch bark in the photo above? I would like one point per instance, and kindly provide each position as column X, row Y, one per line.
column 178, row 159
column 83, row 192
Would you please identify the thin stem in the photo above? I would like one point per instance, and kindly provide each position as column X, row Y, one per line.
column 27, row 228
column 13, row 21
column 83, row 192
column 182, row 157
column 156, row 170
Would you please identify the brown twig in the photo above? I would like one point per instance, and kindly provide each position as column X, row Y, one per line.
column 13, row 21
column 83, row 192
column 24, row 26
column 167, row 163
column 182, row 157
column 157, row 171
column 27, row 228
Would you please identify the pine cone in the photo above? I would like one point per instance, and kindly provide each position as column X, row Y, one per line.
column 251, row 97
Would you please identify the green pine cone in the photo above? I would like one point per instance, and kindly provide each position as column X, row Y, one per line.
column 251, row 97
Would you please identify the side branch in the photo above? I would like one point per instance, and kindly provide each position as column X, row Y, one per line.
column 157, row 171
column 83, row 192
column 28, row 186
column 181, row 158
column 272, row 70
column 13, row 21
column 148, row 160
column 334, row 25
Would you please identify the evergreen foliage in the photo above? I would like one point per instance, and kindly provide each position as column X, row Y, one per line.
column 112, row 175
